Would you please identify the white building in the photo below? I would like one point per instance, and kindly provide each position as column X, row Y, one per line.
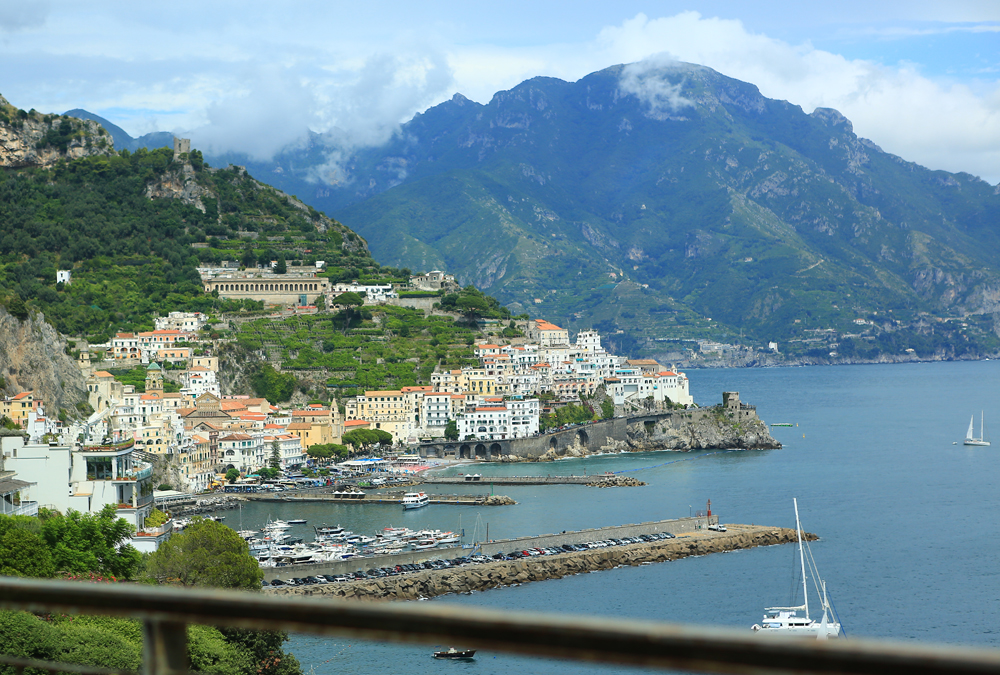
column 485, row 423
column 182, row 321
column 85, row 478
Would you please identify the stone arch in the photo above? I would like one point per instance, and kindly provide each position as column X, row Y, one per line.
column 553, row 443
column 464, row 451
column 582, row 437
column 481, row 451
column 449, row 450
column 495, row 450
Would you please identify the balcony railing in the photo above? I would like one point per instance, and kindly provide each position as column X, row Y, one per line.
column 138, row 471
column 22, row 509
column 165, row 612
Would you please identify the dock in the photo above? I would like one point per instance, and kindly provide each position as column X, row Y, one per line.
column 370, row 498
column 514, row 480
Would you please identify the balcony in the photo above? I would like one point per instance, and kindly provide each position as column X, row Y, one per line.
column 22, row 509
column 138, row 471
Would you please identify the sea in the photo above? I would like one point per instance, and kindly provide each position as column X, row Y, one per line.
column 906, row 514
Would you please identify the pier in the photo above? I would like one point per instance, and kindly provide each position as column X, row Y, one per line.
column 372, row 498
column 514, row 480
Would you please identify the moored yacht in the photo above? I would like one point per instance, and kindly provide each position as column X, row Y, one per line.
column 415, row 500
column 786, row 620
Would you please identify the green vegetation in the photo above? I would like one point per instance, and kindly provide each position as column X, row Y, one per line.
column 568, row 414
column 132, row 257
column 386, row 347
column 72, row 544
column 206, row 553
column 362, row 439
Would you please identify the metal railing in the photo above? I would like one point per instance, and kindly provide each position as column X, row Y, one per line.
column 165, row 612
column 22, row 509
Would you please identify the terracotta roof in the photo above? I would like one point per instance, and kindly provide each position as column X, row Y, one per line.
column 669, row 373
column 356, row 423
column 22, row 395
column 297, row 426
column 384, row 393
column 641, row 362
column 103, row 373
column 237, row 437
column 491, row 407
column 407, row 390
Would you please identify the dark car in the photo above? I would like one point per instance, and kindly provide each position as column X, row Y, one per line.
column 277, row 582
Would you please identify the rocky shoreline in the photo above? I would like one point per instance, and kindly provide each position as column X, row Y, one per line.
column 432, row 583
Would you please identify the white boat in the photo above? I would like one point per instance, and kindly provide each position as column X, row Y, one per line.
column 329, row 530
column 424, row 544
column 972, row 440
column 414, row 500
column 448, row 538
column 298, row 521
column 786, row 620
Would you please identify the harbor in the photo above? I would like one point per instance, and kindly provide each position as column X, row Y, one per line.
column 483, row 572
column 681, row 527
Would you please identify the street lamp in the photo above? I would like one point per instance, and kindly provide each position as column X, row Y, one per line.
column 689, row 510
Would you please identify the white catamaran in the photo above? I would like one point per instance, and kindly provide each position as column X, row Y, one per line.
column 786, row 621
column 972, row 440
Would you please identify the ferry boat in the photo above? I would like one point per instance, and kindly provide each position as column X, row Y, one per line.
column 329, row 530
column 415, row 500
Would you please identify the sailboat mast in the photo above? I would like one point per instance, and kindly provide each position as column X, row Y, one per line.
column 802, row 558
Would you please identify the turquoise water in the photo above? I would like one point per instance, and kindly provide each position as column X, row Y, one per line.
column 908, row 520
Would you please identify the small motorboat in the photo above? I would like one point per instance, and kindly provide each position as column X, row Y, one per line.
column 452, row 653
column 297, row 521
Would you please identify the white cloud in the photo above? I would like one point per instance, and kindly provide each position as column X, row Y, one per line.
column 647, row 80
column 938, row 124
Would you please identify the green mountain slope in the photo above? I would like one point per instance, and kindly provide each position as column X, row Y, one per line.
column 593, row 206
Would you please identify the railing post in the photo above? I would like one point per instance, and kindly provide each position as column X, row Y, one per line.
column 165, row 648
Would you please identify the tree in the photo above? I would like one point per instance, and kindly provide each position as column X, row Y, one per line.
column 349, row 302
column 451, row 430
column 92, row 542
column 281, row 267
column 23, row 552
column 275, row 461
column 233, row 475
column 206, row 553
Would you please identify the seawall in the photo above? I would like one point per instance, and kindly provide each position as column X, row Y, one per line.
column 431, row 583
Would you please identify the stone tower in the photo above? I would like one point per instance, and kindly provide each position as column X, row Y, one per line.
column 154, row 379
column 182, row 146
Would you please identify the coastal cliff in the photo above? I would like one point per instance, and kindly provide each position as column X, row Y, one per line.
column 432, row 583
column 33, row 358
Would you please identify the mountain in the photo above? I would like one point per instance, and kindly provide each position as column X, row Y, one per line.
column 122, row 140
column 668, row 203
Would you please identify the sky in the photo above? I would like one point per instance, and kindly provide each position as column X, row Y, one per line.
column 920, row 79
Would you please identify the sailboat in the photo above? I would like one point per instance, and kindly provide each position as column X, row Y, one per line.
column 972, row 440
column 786, row 621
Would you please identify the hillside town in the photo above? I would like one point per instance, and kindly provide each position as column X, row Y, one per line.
column 201, row 433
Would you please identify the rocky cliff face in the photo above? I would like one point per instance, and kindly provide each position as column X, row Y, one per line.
column 33, row 358
column 699, row 431
column 29, row 139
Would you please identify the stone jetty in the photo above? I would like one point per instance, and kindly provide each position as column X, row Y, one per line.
column 615, row 481
column 431, row 583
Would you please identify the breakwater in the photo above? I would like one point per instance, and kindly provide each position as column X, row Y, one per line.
column 481, row 577
column 595, row 480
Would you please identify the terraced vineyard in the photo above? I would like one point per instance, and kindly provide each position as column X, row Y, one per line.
column 384, row 348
